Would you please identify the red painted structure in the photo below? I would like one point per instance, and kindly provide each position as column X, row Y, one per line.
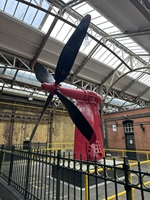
column 87, row 103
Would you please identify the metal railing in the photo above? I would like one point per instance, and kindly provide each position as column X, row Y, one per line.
column 46, row 175
column 120, row 153
column 68, row 146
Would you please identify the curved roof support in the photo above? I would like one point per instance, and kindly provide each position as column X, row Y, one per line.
column 132, row 83
column 138, row 69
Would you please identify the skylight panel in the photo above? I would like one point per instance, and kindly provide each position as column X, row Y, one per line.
column 131, row 45
column 75, row 7
column 65, row 30
column 66, row 1
column 49, row 20
column 32, row 76
column 83, row 10
column 59, row 32
column 98, row 52
column 111, row 30
column 62, row 31
column 29, row 16
column 37, row 18
column 114, row 61
column 21, row 11
column 26, row 74
column 2, row 4
column 10, row 6
column 134, row 75
column 10, row 72
column 145, row 79
column 146, row 58
column 47, row 23
column 117, row 102
column 24, row 12
column 108, row 58
column 136, row 51
column 129, row 105
column 104, row 25
column 56, row 29
column 95, row 16
column 66, row 85
column 108, row 99
column 124, row 40
column 97, row 19
column 20, row 73
column 105, row 55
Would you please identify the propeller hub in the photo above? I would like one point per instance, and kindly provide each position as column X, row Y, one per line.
column 50, row 87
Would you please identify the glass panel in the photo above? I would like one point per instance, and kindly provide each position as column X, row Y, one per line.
column 30, row 14
column 2, row 4
column 128, row 128
column 10, row 6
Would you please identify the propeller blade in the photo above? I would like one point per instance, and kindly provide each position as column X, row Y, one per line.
column 42, row 74
column 70, row 50
column 49, row 98
column 78, row 119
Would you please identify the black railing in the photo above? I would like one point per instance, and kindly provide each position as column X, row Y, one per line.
column 45, row 175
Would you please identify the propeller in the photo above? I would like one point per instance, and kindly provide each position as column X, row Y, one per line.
column 42, row 75
column 64, row 65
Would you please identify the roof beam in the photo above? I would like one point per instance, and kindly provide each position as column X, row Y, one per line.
column 132, row 83
column 129, row 34
column 143, row 10
column 72, row 3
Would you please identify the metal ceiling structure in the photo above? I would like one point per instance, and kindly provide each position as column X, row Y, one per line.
column 113, row 60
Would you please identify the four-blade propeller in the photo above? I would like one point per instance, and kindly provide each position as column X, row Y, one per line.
column 64, row 65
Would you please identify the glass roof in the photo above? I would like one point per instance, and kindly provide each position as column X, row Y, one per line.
column 23, row 12
column 62, row 31
column 115, row 102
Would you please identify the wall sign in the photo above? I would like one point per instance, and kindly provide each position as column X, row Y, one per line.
column 114, row 127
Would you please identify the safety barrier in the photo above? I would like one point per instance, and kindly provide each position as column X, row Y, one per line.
column 132, row 173
column 68, row 146
column 44, row 174
column 120, row 153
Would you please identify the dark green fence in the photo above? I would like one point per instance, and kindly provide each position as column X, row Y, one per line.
column 46, row 175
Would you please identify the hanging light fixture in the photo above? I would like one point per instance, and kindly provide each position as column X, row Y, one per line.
column 86, row 41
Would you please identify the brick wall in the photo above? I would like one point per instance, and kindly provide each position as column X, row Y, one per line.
column 116, row 139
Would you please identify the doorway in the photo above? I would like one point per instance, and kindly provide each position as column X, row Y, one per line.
column 129, row 139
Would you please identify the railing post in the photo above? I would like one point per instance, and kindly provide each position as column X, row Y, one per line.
column 149, row 166
column 11, row 165
column 86, row 187
column 58, row 175
column 132, row 190
column 1, row 159
column 122, row 153
column 128, row 188
column 27, row 174
column 147, row 156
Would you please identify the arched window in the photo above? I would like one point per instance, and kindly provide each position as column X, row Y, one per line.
column 128, row 128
